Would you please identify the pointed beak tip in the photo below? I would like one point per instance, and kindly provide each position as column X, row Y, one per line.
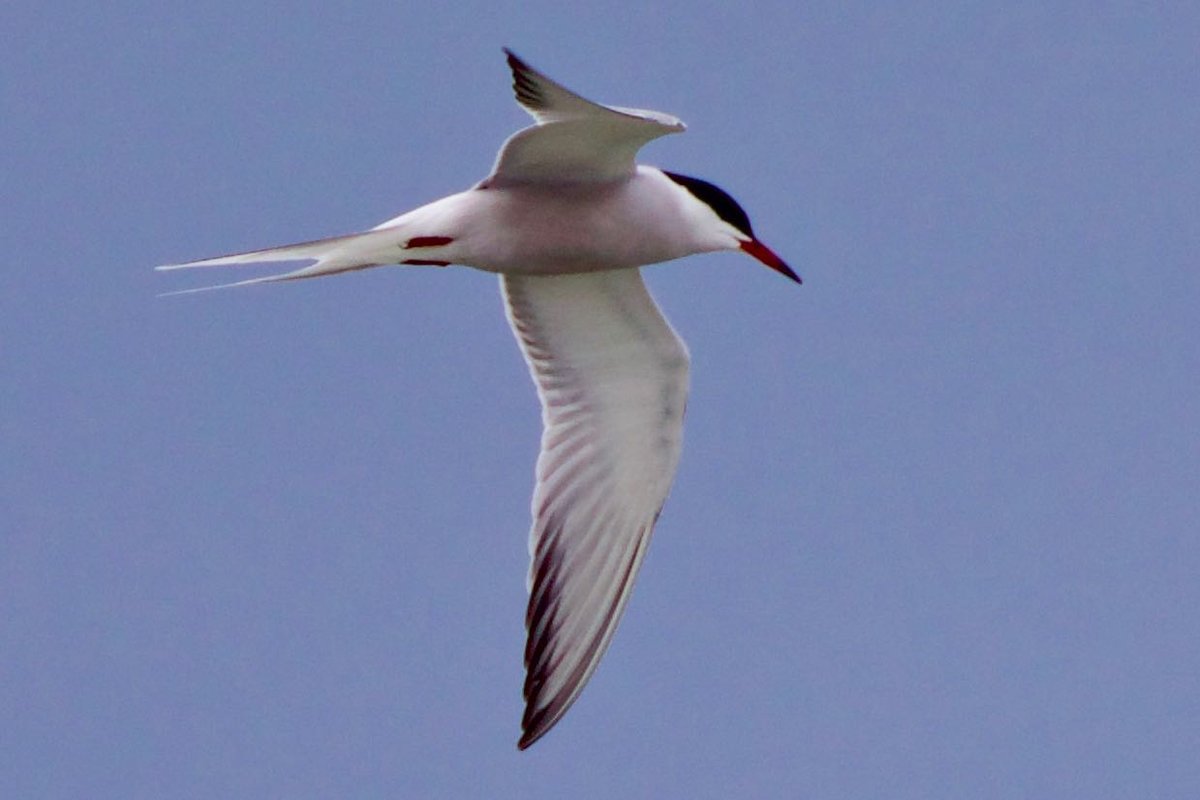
column 767, row 256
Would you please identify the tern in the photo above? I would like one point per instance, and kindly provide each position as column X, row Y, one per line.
column 567, row 218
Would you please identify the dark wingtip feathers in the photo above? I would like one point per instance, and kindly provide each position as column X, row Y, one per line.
column 524, row 84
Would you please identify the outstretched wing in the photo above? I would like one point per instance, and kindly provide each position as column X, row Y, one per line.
column 612, row 377
column 574, row 139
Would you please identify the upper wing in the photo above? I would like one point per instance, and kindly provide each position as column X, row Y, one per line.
column 574, row 139
column 612, row 377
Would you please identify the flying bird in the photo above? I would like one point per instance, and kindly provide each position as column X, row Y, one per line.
column 567, row 218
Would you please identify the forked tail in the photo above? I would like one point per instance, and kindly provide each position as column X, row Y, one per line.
column 372, row 248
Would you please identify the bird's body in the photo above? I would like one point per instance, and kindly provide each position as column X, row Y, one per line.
column 555, row 229
column 567, row 218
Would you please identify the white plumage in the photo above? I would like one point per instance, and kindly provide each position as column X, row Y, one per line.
column 567, row 218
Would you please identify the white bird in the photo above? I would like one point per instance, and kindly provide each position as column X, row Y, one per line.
column 567, row 218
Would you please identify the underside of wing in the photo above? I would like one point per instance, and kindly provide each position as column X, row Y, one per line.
column 612, row 378
column 574, row 139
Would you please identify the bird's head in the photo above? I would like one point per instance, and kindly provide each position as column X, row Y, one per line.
column 740, row 236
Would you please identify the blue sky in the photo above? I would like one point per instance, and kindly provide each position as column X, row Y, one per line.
column 934, row 531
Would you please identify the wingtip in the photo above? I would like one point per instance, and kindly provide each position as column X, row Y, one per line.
column 514, row 60
column 532, row 729
column 531, row 733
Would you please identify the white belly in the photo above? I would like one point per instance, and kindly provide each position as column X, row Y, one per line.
column 556, row 229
